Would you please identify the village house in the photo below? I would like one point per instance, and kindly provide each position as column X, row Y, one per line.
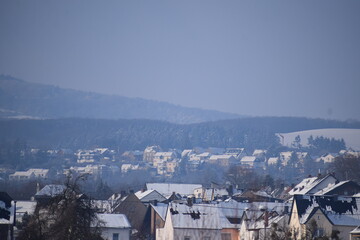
column 132, row 156
column 285, row 157
column 237, row 153
column 6, row 218
column 312, row 185
column 161, row 157
column 252, row 162
column 260, row 153
column 136, row 212
column 200, row 157
column 32, row 173
column 343, row 188
column 149, row 152
column 148, row 196
column 327, row 158
column 129, row 167
column 114, row 226
column 210, row 194
column 272, row 161
column 222, row 160
column 158, row 216
column 319, row 216
column 190, row 222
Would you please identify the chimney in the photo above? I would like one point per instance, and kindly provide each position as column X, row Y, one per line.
column 122, row 193
column 286, row 210
column 189, row 201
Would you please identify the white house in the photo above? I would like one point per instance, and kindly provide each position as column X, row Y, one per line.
column 114, row 226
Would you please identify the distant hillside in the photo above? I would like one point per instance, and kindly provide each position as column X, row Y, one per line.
column 137, row 134
column 350, row 136
column 21, row 99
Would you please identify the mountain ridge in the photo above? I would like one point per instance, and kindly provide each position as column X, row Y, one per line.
column 19, row 98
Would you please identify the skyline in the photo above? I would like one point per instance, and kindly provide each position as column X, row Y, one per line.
column 250, row 58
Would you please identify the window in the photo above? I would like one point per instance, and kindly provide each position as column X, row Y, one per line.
column 115, row 236
column 206, row 238
column 186, row 238
column 319, row 232
column 225, row 236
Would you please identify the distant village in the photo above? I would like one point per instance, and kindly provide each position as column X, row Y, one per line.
column 310, row 201
column 102, row 161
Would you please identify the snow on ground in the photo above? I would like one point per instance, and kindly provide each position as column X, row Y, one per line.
column 350, row 136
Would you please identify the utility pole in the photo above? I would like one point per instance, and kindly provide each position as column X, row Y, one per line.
column 14, row 222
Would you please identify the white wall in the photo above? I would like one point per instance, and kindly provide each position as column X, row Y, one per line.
column 107, row 233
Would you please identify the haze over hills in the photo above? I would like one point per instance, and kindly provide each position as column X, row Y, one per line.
column 21, row 99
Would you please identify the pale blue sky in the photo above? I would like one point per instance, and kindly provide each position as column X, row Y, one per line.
column 262, row 58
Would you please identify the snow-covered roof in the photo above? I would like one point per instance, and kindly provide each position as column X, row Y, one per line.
column 164, row 154
column 199, row 216
column 342, row 211
column 104, row 206
column 51, row 190
column 25, row 206
column 161, row 209
column 273, row 160
column 149, row 195
column 204, row 154
column 258, row 152
column 114, row 220
column 307, row 184
column 248, row 159
column 166, row 189
column 215, row 157
column 331, row 187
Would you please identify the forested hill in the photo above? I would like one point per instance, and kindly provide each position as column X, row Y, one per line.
column 137, row 134
column 21, row 99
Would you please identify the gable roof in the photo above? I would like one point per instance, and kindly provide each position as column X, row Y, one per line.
column 199, row 216
column 166, row 189
column 149, row 195
column 113, row 220
column 332, row 187
column 308, row 184
column 51, row 190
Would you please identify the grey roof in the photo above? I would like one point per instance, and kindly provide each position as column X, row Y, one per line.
column 114, row 220
column 51, row 190
column 149, row 195
column 199, row 216
column 166, row 189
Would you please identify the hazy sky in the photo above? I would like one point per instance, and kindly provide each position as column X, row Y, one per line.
column 278, row 58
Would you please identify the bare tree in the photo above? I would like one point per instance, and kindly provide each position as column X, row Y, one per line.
column 67, row 216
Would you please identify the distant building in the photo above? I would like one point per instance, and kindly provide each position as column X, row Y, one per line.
column 222, row 160
column 167, row 189
column 149, row 153
column 313, row 185
column 252, row 161
column 32, row 173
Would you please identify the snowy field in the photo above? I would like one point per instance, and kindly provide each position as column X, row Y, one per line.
column 351, row 136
